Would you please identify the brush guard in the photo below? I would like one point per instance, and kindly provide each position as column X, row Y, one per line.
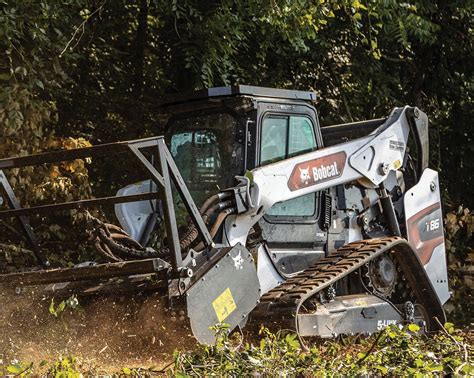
column 160, row 168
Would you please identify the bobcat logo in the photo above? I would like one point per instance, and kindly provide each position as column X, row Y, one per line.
column 304, row 176
column 238, row 261
column 317, row 170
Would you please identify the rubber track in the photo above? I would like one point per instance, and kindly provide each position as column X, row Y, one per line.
column 287, row 298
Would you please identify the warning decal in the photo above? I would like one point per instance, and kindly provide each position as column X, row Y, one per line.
column 224, row 305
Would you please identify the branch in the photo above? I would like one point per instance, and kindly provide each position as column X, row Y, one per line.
column 12, row 229
column 446, row 332
column 4, row 246
column 371, row 348
column 80, row 27
column 463, row 346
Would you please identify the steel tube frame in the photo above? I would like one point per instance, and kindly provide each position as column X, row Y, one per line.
column 100, row 271
column 25, row 224
column 167, row 171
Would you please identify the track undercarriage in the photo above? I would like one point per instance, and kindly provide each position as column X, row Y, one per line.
column 315, row 302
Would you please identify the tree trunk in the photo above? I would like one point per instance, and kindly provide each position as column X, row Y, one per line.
column 140, row 45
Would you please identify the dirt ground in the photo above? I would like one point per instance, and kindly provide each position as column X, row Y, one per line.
column 106, row 331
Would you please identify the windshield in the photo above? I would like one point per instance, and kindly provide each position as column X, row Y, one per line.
column 205, row 150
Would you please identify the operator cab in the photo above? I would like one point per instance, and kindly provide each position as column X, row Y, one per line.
column 217, row 133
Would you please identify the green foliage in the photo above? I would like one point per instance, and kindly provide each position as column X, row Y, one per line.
column 72, row 303
column 459, row 234
column 32, row 34
column 65, row 367
column 56, row 310
column 395, row 352
column 18, row 369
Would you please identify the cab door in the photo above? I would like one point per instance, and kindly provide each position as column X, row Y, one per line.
column 291, row 229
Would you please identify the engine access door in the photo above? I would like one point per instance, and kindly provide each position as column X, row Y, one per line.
column 424, row 223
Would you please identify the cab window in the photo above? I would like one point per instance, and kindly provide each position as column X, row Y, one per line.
column 205, row 149
column 283, row 137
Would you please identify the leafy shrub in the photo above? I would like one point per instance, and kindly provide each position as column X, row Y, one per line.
column 459, row 233
column 394, row 351
column 65, row 367
column 23, row 123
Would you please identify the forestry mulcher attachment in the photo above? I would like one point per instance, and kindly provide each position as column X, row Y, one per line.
column 323, row 230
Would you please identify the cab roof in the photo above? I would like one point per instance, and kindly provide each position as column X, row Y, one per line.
column 237, row 90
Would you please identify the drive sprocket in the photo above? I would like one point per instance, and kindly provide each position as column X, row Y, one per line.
column 381, row 275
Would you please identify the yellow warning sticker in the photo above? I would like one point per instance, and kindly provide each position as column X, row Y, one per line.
column 224, row 305
column 361, row 303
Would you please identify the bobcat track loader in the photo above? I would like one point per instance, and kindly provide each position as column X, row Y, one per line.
column 323, row 230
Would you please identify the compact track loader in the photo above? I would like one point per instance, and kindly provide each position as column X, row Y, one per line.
column 323, row 230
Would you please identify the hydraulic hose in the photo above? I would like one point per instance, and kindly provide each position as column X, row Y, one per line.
column 207, row 210
column 213, row 199
column 124, row 251
column 207, row 217
column 220, row 219
column 217, row 224
column 115, row 244
column 217, row 208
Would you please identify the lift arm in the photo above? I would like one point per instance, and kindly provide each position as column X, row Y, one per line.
column 369, row 160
